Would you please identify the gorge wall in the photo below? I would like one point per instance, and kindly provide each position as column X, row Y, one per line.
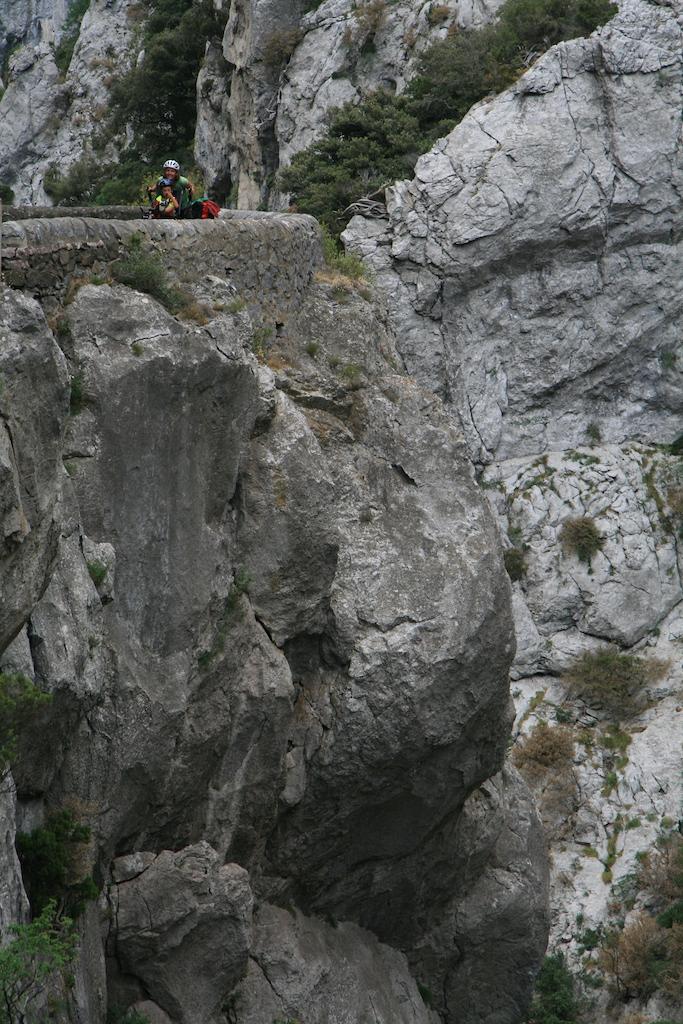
column 282, row 704
column 531, row 273
column 291, row 682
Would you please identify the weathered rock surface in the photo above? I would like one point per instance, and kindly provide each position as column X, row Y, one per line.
column 285, row 66
column 182, row 927
column 532, row 264
column 49, row 118
column 33, row 408
column 304, row 967
column 13, row 902
column 629, row 585
column 272, row 631
column 28, row 20
column 531, row 274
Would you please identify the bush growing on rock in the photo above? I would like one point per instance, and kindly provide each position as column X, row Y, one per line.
column 515, row 563
column 20, row 699
column 643, row 959
column 554, row 999
column 365, row 147
column 545, row 748
column 612, row 680
column 581, row 537
column 146, row 271
column 35, row 954
column 279, row 46
column 54, row 861
column 660, row 873
column 373, row 143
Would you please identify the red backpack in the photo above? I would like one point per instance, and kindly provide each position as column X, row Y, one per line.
column 205, row 209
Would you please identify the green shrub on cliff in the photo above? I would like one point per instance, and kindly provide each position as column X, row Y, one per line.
column 365, row 147
column 53, row 863
column 20, row 699
column 36, row 953
column 378, row 140
column 614, row 680
column 70, row 31
column 146, row 271
column 554, row 999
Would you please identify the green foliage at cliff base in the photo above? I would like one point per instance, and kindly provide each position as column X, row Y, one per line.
column 29, row 962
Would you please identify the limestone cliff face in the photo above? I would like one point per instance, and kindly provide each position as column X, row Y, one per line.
column 498, row 271
column 263, row 92
column 49, row 117
column 531, row 270
column 285, row 66
column 289, row 688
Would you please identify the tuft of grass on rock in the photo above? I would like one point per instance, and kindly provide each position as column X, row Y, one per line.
column 614, row 681
column 580, row 536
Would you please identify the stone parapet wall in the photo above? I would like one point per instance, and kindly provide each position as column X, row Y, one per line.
column 269, row 258
column 53, row 212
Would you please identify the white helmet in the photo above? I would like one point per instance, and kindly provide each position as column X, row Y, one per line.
column 173, row 164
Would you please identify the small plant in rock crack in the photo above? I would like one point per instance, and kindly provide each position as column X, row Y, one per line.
column 239, row 586
column 98, row 572
column 259, row 342
column 438, row 13
column 280, row 45
column 581, row 537
column 77, row 398
column 614, row 681
column 352, row 374
column 515, row 563
column 546, row 748
column 593, row 433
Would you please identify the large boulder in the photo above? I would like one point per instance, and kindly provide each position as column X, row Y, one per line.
column 182, row 929
column 306, row 968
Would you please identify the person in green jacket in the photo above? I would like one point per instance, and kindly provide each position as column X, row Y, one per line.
column 183, row 189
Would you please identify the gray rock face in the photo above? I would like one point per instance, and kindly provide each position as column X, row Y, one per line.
column 32, row 370
column 531, row 270
column 304, row 967
column 499, row 923
column 394, row 639
column 49, row 119
column 13, row 901
column 630, row 584
column 183, row 928
column 277, row 633
column 532, row 263
column 24, row 21
column 287, row 67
